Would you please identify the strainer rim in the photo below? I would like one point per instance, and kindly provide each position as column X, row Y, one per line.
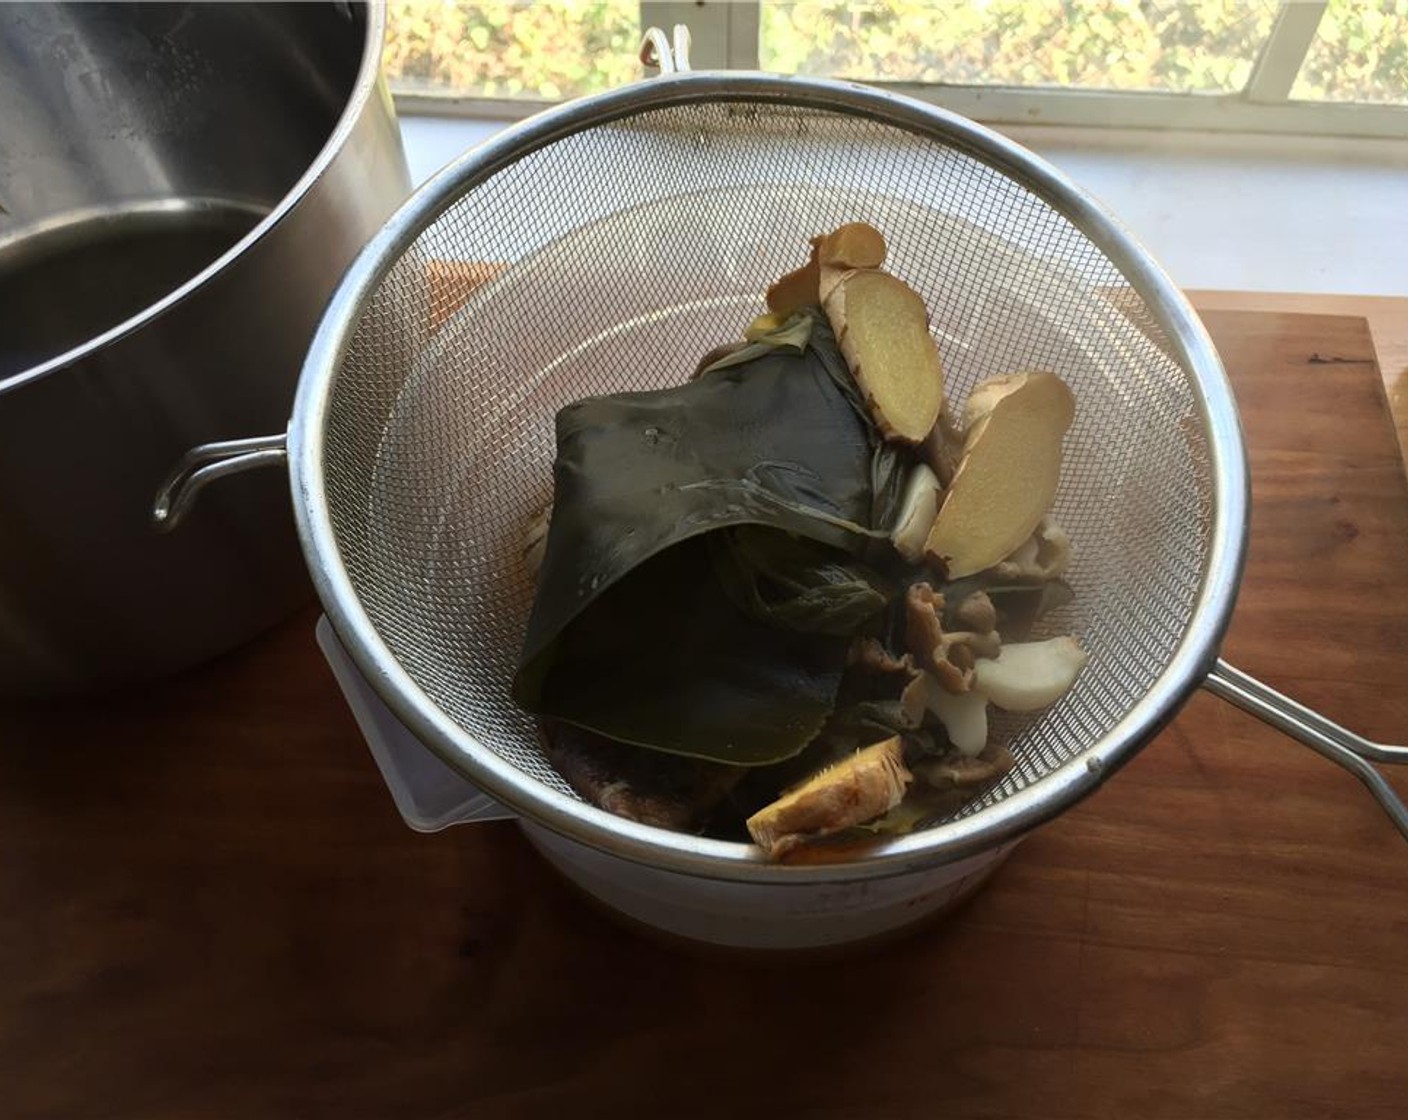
column 1013, row 816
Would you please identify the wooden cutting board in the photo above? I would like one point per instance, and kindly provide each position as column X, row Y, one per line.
column 209, row 908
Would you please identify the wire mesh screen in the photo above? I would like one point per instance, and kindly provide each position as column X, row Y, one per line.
column 613, row 259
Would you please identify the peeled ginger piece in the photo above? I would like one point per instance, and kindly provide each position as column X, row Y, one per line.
column 1006, row 480
column 882, row 327
column 868, row 784
column 796, row 290
column 854, row 245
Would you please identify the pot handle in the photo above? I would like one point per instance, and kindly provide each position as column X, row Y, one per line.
column 1340, row 745
column 202, row 465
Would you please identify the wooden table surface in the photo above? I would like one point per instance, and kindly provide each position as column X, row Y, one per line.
column 1386, row 316
column 209, row 908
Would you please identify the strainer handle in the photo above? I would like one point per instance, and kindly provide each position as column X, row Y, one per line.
column 1340, row 745
column 669, row 57
column 202, row 465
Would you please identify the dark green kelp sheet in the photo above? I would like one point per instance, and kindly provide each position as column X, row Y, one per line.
column 706, row 565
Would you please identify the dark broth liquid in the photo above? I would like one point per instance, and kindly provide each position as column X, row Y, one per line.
column 64, row 286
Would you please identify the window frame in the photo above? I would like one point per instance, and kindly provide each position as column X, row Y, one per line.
column 724, row 35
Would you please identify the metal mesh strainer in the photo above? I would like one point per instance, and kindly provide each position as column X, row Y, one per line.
column 632, row 232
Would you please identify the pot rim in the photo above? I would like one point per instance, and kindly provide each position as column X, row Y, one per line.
column 363, row 86
column 1015, row 815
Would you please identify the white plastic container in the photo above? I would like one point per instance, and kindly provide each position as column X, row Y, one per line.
column 769, row 916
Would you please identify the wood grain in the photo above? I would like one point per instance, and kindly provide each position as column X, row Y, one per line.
column 209, row 908
column 1387, row 317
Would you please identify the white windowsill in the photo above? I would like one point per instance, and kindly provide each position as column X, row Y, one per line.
column 1253, row 213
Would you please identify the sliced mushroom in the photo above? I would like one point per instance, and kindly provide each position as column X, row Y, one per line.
column 1022, row 562
column 1025, row 676
column 1053, row 553
column 916, row 698
column 918, row 508
column 1042, row 556
column 927, row 641
column 950, row 657
column 1017, row 605
column 869, row 655
column 868, row 784
column 976, row 612
column 964, row 716
column 960, row 771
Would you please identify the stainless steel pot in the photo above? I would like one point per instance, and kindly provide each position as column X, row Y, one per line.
column 181, row 187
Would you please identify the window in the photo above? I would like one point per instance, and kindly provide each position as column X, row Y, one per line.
column 1338, row 67
column 1091, row 44
column 501, row 49
column 1359, row 53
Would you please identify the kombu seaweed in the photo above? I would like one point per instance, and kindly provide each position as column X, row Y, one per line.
column 713, row 550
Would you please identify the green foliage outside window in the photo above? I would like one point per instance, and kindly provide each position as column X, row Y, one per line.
column 1199, row 45
column 1360, row 53
column 564, row 48
column 508, row 48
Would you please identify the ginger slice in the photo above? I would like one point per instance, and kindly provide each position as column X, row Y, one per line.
column 843, row 250
column 868, row 784
column 942, row 448
column 986, row 393
column 882, row 327
column 796, row 290
column 1007, row 478
column 854, row 245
